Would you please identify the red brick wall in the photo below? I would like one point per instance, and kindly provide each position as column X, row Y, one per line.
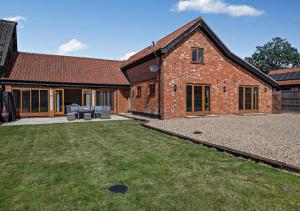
column 145, row 103
column 122, row 100
column 141, row 72
column 141, row 76
column 216, row 71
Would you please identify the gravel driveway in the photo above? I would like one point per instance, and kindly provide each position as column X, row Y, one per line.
column 274, row 136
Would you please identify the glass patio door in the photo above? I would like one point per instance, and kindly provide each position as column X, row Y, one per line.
column 197, row 99
column 59, row 102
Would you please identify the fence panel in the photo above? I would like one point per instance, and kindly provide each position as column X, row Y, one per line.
column 290, row 100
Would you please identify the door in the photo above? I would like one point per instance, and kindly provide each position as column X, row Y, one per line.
column 59, row 102
column 197, row 99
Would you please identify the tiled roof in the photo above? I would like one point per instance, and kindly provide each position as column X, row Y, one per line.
column 286, row 70
column 287, row 76
column 161, row 43
column 65, row 69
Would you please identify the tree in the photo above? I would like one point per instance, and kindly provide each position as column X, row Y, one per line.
column 276, row 54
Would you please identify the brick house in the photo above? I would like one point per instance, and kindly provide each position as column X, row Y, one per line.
column 192, row 73
column 198, row 75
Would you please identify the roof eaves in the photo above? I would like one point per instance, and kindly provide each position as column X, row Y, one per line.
column 145, row 58
column 237, row 59
column 182, row 36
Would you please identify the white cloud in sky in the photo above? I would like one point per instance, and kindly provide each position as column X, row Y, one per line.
column 19, row 19
column 216, row 7
column 128, row 55
column 71, row 46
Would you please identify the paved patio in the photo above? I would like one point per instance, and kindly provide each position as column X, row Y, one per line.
column 56, row 120
column 274, row 136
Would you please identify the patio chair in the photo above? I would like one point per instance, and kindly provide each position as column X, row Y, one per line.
column 72, row 112
column 97, row 111
column 102, row 112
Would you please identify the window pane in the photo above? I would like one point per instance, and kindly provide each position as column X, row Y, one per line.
column 152, row 89
column 105, row 98
column 200, row 56
column 194, row 55
column 35, row 100
column 99, row 100
column 241, row 98
column 207, row 98
column 17, row 99
column 59, row 106
column 255, row 98
column 197, row 98
column 248, row 98
column 43, row 100
column 25, row 101
column 189, row 98
column 86, row 98
column 111, row 100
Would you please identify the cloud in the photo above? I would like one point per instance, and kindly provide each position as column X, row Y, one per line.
column 19, row 19
column 128, row 55
column 216, row 7
column 71, row 46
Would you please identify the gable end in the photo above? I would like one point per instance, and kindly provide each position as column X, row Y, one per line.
column 222, row 47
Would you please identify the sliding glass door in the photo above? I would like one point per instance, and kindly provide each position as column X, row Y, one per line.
column 31, row 101
column 197, row 99
column 59, row 102
column 105, row 98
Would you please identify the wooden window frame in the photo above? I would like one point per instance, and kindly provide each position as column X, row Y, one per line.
column 252, row 109
column 203, row 112
column 63, row 102
column 197, row 56
column 29, row 114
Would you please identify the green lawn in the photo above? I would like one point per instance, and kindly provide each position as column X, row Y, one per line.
column 70, row 167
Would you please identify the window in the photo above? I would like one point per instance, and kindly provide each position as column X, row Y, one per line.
column 17, row 99
column 189, row 95
column 86, row 97
column 139, row 91
column 43, row 100
column 105, row 98
column 152, row 89
column 197, row 55
column 30, row 100
column 207, row 98
column 197, row 99
column 248, row 98
column 241, row 98
column 25, row 101
column 35, row 100
column 255, row 98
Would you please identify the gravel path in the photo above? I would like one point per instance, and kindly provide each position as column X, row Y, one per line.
column 274, row 136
